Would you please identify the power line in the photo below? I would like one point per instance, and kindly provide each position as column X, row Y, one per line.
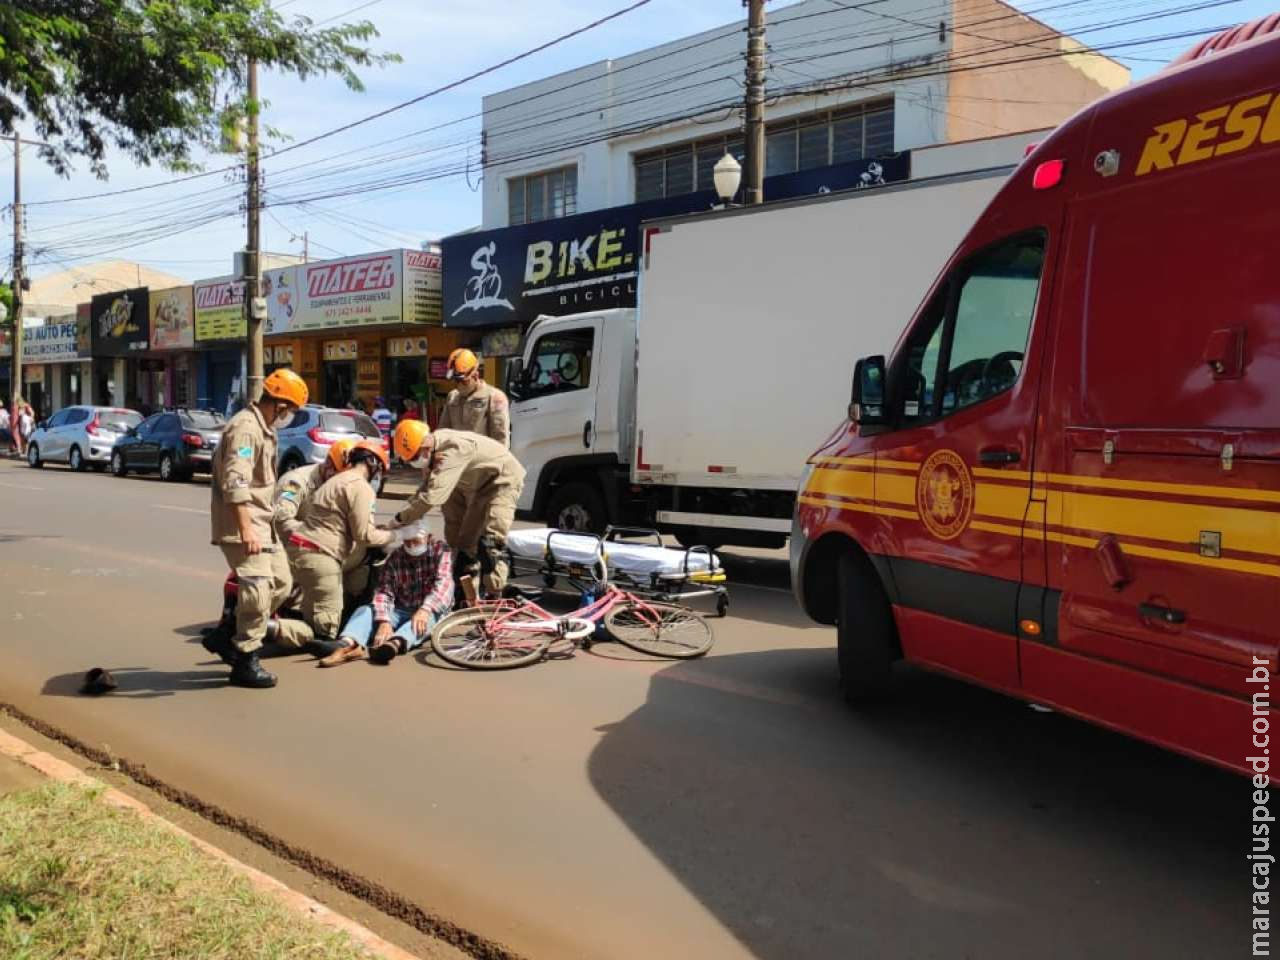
column 381, row 113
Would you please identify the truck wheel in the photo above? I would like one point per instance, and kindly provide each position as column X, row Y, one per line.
column 864, row 633
column 577, row 506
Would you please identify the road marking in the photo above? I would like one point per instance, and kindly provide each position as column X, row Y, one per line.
column 165, row 506
column 20, row 486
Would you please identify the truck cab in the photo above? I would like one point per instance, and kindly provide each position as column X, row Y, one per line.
column 572, row 408
column 1064, row 481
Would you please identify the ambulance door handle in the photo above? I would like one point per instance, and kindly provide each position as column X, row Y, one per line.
column 586, row 434
column 999, row 456
column 1156, row 611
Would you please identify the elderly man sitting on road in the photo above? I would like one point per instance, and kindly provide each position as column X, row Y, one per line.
column 415, row 590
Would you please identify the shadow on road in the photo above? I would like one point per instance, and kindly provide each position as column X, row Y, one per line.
column 140, row 683
column 949, row 822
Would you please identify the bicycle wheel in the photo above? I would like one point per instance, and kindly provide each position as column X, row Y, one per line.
column 483, row 640
column 659, row 629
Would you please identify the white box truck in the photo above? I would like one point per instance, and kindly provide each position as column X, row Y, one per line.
column 695, row 412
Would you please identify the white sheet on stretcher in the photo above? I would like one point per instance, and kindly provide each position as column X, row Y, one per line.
column 631, row 558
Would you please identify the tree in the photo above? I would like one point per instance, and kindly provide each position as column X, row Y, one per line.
column 154, row 78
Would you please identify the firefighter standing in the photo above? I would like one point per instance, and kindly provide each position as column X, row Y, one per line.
column 476, row 483
column 337, row 520
column 244, row 478
column 474, row 405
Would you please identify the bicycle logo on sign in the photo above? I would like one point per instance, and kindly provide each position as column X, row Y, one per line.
column 484, row 290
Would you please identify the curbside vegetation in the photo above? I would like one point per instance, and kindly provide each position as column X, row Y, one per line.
column 80, row 878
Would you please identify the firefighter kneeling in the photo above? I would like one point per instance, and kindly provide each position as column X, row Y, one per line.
column 337, row 521
column 476, row 483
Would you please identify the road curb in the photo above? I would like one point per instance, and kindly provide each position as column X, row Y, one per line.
column 62, row 772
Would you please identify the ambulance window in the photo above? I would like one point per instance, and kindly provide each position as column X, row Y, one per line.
column 996, row 301
column 919, row 366
column 561, row 362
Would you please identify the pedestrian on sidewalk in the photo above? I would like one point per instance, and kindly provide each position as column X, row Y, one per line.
column 414, row 592
column 383, row 417
column 241, row 510
column 26, row 426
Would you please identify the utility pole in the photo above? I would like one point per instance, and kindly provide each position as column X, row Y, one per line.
column 753, row 172
column 254, row 325
column 16, row 360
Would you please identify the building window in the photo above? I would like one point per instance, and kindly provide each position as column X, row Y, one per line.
column 685, row 168
column 801, row 143
column 542, row 196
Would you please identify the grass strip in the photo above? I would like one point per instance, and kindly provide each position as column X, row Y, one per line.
column 81, row 879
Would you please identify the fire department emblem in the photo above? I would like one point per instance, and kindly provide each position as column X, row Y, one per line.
column 944, row 495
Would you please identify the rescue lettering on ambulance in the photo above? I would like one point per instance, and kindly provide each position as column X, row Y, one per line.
column 1216, row 132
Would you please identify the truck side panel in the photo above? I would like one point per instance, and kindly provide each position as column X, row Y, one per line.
column 750, row 324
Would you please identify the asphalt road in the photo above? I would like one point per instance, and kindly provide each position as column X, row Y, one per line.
column 611, row 806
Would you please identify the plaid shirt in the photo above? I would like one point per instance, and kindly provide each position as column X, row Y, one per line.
column 416, row 583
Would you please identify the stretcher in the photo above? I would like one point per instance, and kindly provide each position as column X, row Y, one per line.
column 634, row 559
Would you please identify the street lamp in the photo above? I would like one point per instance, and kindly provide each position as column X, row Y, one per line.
column 727, row 176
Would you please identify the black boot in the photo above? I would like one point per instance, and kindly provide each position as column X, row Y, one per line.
column 218, row 642
column 248, row 672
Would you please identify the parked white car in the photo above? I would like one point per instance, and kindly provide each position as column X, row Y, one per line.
column 80, row 436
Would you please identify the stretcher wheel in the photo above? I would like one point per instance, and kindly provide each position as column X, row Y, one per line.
column 722, row 605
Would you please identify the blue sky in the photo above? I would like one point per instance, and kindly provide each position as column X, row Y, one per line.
column 439, row 42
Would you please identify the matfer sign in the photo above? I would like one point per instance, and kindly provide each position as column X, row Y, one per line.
column 220, row 310
column 389, row 287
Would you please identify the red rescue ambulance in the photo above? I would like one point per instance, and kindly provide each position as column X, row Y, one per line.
column 1064, row 483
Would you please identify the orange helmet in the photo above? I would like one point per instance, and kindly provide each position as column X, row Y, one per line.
column 408, row 439
column 370, row 447
column 338, row 454
column 461, row 362
column 286, row 385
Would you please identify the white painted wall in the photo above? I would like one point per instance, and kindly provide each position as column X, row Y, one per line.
column 619, row 95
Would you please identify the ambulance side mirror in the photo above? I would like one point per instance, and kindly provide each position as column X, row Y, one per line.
column 515, row 378
column 866, row 404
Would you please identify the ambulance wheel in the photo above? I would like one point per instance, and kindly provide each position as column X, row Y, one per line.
column 577, row 506
column 865, row 633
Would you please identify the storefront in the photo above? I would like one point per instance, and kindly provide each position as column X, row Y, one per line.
column 359, row 327
column 508, row 277
column 120, row 333
column 51, row 365
column 219, row 334
column 173, row 344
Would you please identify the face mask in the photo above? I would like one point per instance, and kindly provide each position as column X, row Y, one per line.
column 415, row 550
column 421, row 463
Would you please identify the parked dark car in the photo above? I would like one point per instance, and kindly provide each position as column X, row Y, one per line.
column 175, row 444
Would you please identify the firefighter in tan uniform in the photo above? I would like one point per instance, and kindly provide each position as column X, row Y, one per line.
column 476, row 483
column 337, row 520
column 244, row 479
column 296, row 487
column 474, row 405
column 294, row 490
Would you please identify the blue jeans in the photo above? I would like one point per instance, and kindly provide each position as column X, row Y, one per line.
column 360, row 627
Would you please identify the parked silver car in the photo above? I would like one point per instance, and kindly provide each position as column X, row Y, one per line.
column 81, row 436
column 314, row 429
